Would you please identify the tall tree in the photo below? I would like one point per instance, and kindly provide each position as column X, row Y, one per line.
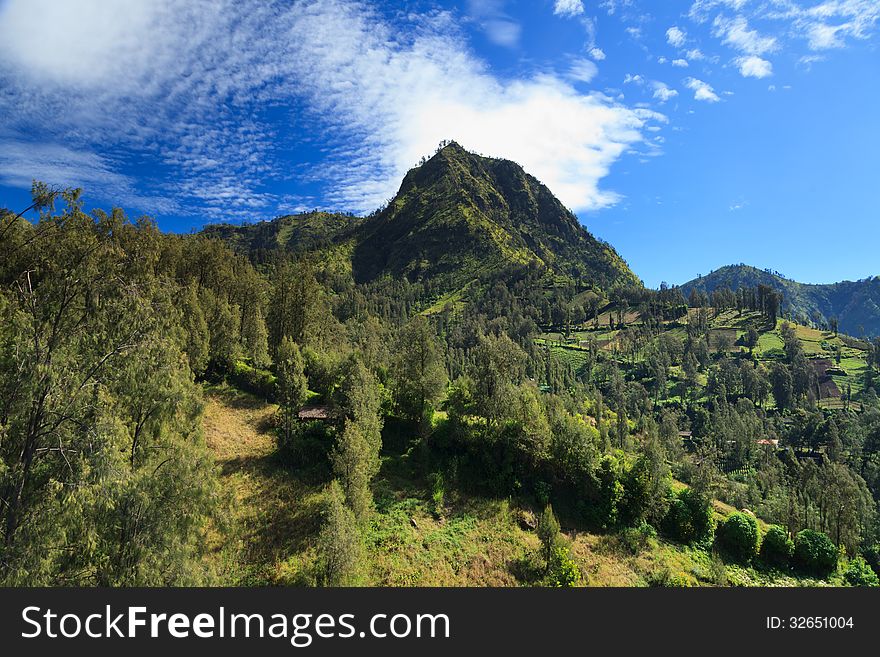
column 419, row 373
column 340, row 546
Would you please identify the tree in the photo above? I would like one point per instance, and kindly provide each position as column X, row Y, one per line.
column 419, row 372
column 255, row 337
column 291, row 385
column 781, row 387
column 359, row 398
column 355, row 463
column 340, row 546
column 548, row 533
column 751, row 340
column 738, row 536
column 499, row 365
column 777, row 547
column 104, row 474
column 815, row 553
column 297, row 306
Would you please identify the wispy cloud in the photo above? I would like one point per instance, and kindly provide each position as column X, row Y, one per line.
column 222, row 96
column 499, row 27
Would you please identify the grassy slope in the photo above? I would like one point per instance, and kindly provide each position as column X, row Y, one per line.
column 275, row 515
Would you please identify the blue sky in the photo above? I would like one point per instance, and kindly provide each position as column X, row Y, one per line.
column 688, row 133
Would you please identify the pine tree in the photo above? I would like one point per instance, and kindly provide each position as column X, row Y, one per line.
column 340, row 546
column 548, row 533
column 355, row 463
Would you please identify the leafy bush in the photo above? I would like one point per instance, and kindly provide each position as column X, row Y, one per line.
column 738, row 537
column 689, row 519
column 777, row 547
column 255, row 381
column 563, row 572
column 637, row 539
column 815, row 553
column 859, row 573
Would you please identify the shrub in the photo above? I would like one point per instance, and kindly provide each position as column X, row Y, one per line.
column 689, row 519
column 777, row 547
column 637, row 539
column 563, row 572
column 815, row 553
column 859, row 573
column 548, row 532
column 738, row 537
column 255, row 381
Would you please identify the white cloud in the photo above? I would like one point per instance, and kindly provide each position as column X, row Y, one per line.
column 735, row 33
column 189, row 93
column 680, row 63
column 754, row 67
column 702, row 90
column 695, row 55
column 568, row 8
column 629, row 78
column 676, row 37
column 597, row 53
column 662, row 92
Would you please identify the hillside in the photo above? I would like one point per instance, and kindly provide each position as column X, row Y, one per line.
column 856, row 304
column 457, row 217
column 475, row 540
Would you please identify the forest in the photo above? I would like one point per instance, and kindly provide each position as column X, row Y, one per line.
column 544, row 412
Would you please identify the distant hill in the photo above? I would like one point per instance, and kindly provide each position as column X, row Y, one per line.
column 456, row 217
column 856, row 304
column 296, row 233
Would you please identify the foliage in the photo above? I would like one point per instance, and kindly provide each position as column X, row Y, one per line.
column 340, row 544
column 548, row 534
column 563, row 571
column 815, row 553
column 689, row 519
column 738, row 537
column 859, row 573
column 777, row 548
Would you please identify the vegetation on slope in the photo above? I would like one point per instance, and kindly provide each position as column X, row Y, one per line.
column 853, row 305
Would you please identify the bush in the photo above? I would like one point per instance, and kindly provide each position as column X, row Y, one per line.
column 563, row 572
column 777, row 547
column 738, row 537
column 689, row 519
column 815, row 553
column 637, row 539
column 859, row 573
column 255, row 381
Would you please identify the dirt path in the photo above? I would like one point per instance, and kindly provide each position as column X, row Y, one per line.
column 273, row 515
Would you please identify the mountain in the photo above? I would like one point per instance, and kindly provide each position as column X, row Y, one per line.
column 856, row 304
column 460, row 215
column 456, row 217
